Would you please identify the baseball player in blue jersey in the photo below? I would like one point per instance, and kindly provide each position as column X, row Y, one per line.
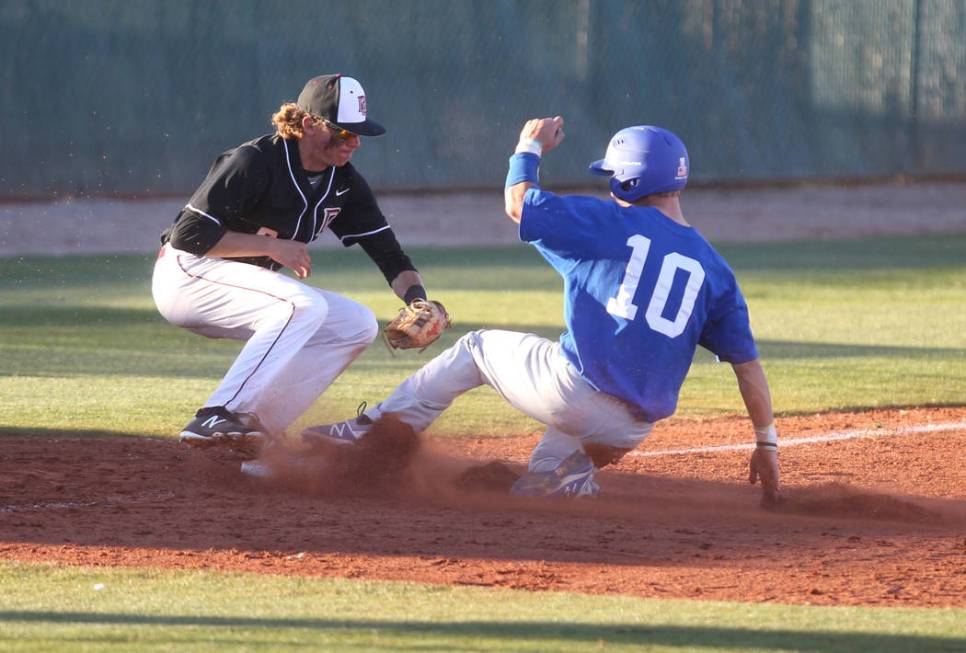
column 642, row 290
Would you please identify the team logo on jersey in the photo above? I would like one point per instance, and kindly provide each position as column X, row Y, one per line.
column 362, row 104
column 330, row 215
column 682, row 168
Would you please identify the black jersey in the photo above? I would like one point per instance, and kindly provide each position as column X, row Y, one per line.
column 261, row 187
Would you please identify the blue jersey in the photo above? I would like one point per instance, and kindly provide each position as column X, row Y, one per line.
column 640, row 293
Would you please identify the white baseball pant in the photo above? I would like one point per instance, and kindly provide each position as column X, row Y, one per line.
column 299, row 338
column 533, row 376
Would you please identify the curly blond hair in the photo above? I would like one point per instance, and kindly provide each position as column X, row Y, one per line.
column 288, row 121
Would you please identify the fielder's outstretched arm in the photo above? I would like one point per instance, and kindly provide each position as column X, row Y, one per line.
column 538, row 136
column 408, row 285
column 386, row 252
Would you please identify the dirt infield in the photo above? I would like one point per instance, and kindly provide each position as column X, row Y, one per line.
column 875, row 514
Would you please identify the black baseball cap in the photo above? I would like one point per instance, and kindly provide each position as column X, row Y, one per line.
column 341, row 101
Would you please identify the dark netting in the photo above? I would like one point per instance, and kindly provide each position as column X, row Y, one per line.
column 138, row 96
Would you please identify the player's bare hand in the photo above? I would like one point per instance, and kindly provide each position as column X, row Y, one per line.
column 546, row 131
column 764, row 467
column 292, row 254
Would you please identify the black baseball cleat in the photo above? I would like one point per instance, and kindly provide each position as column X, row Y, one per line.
column 217, row 427
column 342, row 433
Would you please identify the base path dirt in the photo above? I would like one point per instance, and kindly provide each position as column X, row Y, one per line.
column 99, row 225
column 875, row 514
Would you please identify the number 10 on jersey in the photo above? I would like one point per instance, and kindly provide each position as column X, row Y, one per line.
column 622, row 305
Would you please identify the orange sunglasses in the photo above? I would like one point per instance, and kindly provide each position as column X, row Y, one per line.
column 344, row 134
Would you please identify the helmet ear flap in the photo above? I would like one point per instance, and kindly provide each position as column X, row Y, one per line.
column 626, row 190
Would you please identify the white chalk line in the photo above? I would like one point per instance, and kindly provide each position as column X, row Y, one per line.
column 813, row 439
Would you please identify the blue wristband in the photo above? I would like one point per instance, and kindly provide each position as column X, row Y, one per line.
column 523, row 167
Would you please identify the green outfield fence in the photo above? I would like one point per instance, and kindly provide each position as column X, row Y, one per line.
column 136, row 97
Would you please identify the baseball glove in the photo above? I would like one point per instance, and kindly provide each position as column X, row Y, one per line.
column 417, row 326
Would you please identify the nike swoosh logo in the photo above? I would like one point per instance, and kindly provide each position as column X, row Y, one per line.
column 342, row 191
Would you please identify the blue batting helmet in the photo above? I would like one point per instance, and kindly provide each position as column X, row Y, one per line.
column 643, row 160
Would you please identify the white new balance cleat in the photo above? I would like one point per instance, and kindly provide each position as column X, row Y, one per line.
column 573, row 478
column 343, row 433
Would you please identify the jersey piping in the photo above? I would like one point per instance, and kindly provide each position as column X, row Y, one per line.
column 365, row 233
column 288, row 162
column 203, row 214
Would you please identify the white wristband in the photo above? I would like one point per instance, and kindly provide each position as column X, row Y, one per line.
column 529, row 145
column 766, row 436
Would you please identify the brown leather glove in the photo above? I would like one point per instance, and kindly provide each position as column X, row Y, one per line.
column 417, row 326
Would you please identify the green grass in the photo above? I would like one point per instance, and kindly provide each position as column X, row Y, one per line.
column 44, row 608
column 840, row 325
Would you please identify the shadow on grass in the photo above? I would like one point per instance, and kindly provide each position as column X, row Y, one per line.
column 77, row 316
column 111, row 342
column 776, row 349
column 714, row 638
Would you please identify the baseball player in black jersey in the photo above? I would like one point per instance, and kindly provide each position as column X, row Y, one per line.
column 218, row 270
